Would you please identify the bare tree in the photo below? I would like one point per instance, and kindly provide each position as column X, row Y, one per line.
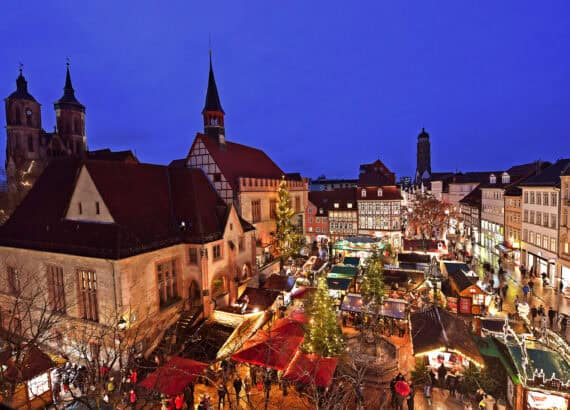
column 429, row 216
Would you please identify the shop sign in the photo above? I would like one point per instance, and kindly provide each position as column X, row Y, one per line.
column 452, row 304
column 465, row 305
column 38, row 385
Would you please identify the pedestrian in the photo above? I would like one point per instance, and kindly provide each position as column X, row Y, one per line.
column 393, row 392
column 237, row 387
column 410, row 398
column 531, row 286
column 543, row 325
column 533, row 314
column 427, row 393
column 526, row 290
column 517, row 301
column 267, row 386
column 221, row 396
column 132, row 398
column 247, row 387
column 541, row 311
column 499, row 303
column 551, row 316
column 189, row 396
column 399, row 402
column 441, row 372
column 561, row 286
column 451, row 383
column 134, row 376
column 505, row 290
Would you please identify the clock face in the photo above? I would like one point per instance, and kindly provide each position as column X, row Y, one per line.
column 29, row 112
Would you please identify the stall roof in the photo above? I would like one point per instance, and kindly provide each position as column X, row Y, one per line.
column 242, row 333
column 352, row 302
column 303, row 292
column 412, row 257
column 461, row 280
column 33, row 363
column 210, row 337
column 351, row 260
column 260, row 298
column 273, row 348
column 489, row 347
column 395, row 308
column 173, row 376
column 344, row 269
column 437, row 329
column 451, row 267
column 496, row 326
column 279, row 282
column 338, row 283
column 311, row 369
column 540, row 357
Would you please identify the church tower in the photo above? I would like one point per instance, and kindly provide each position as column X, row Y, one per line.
column 423, row 167
column 23, row 128
column 70, row 120
column 213, row 113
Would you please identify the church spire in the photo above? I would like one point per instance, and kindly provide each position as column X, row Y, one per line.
column 21, row 87
column 213, row 113
column 68, row 100
column 212, row 98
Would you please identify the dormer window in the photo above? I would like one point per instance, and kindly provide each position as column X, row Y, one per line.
column 505, row 178
column 320, row 210
column 349, row 205
column 363, row 193
column 336, row 205
column 492, row 179
column 379, row 192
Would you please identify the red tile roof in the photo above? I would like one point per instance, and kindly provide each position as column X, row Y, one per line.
column 375, row 174
column 389, row 193
column 237, row 160
column 147, row 202
column 327, row 199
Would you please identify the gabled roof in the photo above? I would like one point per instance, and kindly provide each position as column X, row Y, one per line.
column 389, row 193
column 434, row 328
column 147, row 202
column 549, row 176
column 237, row 160
column 375, row 174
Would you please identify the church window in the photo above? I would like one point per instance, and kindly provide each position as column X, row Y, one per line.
column 30, row 143
column 87, row 283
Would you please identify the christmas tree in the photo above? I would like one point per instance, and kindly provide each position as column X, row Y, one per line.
column 322, row 333
column 372, row 288
column 287, row 240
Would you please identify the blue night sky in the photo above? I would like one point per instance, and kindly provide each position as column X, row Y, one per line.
column 321, row 86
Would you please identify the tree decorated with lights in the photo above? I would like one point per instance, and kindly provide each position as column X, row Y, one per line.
column 287, row 240
column 373, row 289
column 322, row 333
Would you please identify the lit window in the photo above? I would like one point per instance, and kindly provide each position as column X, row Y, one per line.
column 363, row 193
column 336, row 205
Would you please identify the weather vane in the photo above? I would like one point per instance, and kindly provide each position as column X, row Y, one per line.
column 21, row 67
column 67, row 62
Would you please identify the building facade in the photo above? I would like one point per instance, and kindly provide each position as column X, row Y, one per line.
column 564, row 241
column 513, row 221
column 541, row 216
column 316, row 219
column 325, row 184
column 342, row 213
column 102, row 252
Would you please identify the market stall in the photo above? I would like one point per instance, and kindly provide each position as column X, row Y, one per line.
column 443, row 339
column 338, row 286
column 472, row 299
column 358, row 246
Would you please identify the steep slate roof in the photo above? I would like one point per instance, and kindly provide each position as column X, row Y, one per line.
column 147, row 202
column 549, row 176
column 517, row 173
column 212, row 98
column 389, row 193
column 472, row 199
column 107, row 155
column 435, row 328
column 327, row 199
column 237, row 160
column 68, row 100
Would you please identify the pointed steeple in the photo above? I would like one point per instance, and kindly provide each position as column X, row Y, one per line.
column 212, row 98
column 68, row 100
column 21, row 92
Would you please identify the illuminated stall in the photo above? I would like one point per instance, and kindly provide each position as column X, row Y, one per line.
column 358, row 246
column 465, row 286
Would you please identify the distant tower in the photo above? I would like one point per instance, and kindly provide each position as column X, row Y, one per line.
column 423, row 167
column 24, row 123
column 213, row 112
column 70, row 119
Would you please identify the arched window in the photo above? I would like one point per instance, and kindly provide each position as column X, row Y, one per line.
column 363, row 193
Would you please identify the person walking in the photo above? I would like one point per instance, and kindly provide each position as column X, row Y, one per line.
column 221, row 396
column 427, row 392
column 541, row 311
column 551, row 316
column 533, row 314
column 237, row 387
column 189, row 396
column 531, row 286
column 441, row 372
column 526, row 290
column 132, row 398
column 410, row 398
